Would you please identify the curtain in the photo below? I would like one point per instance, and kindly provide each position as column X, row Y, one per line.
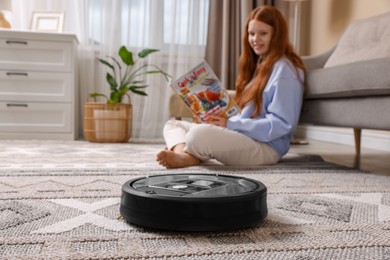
column 227, row 19
column 178, row 28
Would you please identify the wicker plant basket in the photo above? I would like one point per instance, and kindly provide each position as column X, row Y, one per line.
column 104, row 123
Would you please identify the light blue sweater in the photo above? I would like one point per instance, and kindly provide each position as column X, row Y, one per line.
column 279, row 116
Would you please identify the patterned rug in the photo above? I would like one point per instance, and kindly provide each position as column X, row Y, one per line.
column 60, row 200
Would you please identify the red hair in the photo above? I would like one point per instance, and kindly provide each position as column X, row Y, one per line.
column 260, row 73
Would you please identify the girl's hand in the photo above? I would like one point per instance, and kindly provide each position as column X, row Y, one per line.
column 216, row 120
column 195, row 119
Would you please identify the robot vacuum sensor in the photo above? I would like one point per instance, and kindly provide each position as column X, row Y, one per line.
column 194, row 202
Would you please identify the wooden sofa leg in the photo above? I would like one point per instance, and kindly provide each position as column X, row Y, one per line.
column 357, row 132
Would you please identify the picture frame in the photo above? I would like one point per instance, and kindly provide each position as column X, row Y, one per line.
column 44, row 21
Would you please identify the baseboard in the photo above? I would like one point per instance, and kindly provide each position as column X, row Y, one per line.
column 372, row 139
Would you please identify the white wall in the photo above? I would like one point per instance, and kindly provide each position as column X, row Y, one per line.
column 328, row 19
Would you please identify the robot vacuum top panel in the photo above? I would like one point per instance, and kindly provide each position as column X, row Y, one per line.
column 196, row 185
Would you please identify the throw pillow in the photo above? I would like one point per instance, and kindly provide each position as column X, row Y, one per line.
column 364, row 39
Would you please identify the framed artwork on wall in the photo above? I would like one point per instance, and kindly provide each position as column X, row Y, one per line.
column 47, row 21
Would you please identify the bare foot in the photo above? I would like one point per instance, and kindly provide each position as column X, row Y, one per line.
column 170, row 159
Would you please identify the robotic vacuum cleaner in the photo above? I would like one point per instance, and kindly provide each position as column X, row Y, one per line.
column 194, row 202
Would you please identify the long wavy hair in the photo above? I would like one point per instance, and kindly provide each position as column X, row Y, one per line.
column 249, row 69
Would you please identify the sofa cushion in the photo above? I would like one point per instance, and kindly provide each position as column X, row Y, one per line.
column 362, row 78
column 364, row 39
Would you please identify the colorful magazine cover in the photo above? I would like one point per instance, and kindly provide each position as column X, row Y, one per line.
column 202, row 91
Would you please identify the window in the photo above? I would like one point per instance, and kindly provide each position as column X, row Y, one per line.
column 191, row 19
column 150, row 23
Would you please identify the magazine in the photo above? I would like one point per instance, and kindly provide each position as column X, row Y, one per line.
column 203, row 93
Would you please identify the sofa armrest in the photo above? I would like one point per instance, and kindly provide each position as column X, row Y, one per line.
column 355, row 79
column 317, row 61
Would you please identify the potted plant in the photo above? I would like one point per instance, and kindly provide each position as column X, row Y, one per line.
column 111, row 121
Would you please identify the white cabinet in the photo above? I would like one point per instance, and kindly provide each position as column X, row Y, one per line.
column 38, row 85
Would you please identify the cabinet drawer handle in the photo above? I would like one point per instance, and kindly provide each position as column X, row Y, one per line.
column 17, row 105
column 17, row 74
column 16, row 42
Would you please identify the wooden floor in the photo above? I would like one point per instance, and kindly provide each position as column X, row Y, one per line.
column 373, row 161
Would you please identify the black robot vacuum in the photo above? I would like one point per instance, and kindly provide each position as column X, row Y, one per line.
column 194, row 202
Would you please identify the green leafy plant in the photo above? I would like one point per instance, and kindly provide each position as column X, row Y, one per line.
column 126, row 76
